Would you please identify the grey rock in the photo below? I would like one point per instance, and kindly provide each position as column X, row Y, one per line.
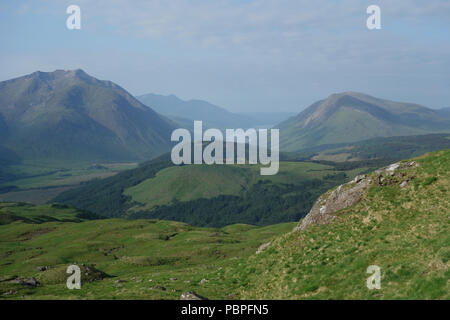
column 343, row 197
column 158, row 288
column 262, row 247
column 191, row 296
column 32, row 282
column 10, row 292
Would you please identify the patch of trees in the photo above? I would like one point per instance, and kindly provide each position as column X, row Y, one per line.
column 265, row 203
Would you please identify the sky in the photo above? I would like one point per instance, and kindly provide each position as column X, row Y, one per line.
column 243, row 55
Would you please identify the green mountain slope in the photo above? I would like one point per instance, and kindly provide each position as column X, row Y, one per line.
column 204, row 195
column 391, row 148
column 402, row 227
column 71, row 115
column 350, row 116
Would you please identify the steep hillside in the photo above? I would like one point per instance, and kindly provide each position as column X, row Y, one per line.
column 396, row 218
column 179, row 110
column 350, row 116
column 71, row 115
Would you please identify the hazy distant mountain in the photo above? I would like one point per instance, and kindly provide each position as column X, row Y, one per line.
column 352, row 116
column 179, row 110
column 267, row 118
column 444, row 112
column 71, row 115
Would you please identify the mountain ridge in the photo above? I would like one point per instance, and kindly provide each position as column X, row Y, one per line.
column 64, row 114
column 212, row 115
column 352, row 116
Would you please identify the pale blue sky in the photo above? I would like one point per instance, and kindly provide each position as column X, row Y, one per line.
column 260, row 55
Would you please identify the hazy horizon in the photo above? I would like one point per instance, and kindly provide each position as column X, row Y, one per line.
column 244, row 56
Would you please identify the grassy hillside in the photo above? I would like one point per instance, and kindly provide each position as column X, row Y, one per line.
column 120, row 259
column 212, row 196
column 391, row 148
column 405, row 231
column 351, row 116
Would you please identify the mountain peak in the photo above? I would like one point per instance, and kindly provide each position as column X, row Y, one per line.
column 59, row 75
column 351, row 116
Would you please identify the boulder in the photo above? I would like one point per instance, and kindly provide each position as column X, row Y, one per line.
column 343, row 197
column 32, row 282
column 349, row 194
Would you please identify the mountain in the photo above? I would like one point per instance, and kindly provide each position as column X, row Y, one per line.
column 70, row 115
column 445, row 112
column 395, row 218
column 180, row 111
column 267, row 118
column 352, row 116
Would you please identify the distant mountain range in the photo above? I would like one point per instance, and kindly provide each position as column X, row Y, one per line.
column 351, row 116
column 185, row 112
column 70, row 115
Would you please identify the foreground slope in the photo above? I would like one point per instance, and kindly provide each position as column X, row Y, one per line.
column 119, row 259
column 400, row 222
column 70, row 115
column 352, row 116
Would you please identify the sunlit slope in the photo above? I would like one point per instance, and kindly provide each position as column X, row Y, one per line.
column 352, row 116
column 405, row 231
column 120, row 259
column 185, row 183
column 204, row 195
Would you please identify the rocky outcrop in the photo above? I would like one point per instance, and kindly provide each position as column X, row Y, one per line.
column 349, row 194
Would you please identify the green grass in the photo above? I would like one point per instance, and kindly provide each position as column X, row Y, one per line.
column 403, row 231
column 31, row 174
column 38, row 182
column 184, row 183
column 134, row 251
column 11, row 212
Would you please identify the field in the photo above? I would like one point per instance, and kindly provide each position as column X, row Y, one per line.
column 38, row 182
column 123, row 259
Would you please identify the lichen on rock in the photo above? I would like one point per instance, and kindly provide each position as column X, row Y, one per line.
column 347, row 195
